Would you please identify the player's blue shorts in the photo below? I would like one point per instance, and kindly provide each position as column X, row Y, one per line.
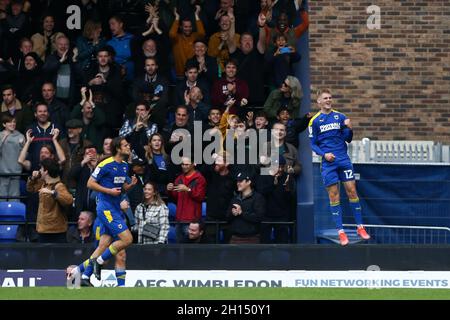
column 341, row 169
column 99, row 230
column 112, row 220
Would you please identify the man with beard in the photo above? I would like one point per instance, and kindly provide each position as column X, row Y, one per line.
column 157, row 86
column 13, row 107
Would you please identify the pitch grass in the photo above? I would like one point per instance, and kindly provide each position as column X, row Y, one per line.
column 60, row 293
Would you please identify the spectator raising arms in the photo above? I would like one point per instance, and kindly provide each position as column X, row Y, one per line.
column 53, row 199
column 183, row 43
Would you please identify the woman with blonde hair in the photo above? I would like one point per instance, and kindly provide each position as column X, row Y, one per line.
column 288, row 95
column 152, row 217
column 89, row 43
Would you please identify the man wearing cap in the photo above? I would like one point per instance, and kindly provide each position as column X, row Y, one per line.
column 245, row 212
column 207, row 65
column 73, row 147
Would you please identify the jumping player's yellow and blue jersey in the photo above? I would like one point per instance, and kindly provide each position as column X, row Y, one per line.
column 111, row 174
column 329, row 134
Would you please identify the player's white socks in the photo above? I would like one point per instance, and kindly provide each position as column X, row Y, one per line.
column 100, row 260
column 73, row 273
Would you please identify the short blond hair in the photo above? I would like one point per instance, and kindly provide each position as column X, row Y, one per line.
column 322, row 91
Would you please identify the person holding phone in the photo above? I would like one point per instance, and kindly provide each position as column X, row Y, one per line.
column 281, row 58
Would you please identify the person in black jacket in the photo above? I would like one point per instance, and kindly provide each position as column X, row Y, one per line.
column 207, row 66
column 59, row 112
column 220, row 190
column 29, row 80
column 138, row 129
column 154, row 84
column 171, row 136
column 278, row 189
column 293, row 126
column 135, row 195
column 105, row 80
column 82, row 232
column 80, row 172
column 59, row 68
column 245, row 212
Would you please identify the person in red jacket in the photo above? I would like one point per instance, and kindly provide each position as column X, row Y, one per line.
column 188, row 191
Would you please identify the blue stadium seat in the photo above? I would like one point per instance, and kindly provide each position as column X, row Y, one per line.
column 172, row 236
column 172, row 210
column 10, row 211
column 203, row 209
column 8, row 233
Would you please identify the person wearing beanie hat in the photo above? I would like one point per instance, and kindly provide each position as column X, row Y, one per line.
column 36, row 58
column 29, row 79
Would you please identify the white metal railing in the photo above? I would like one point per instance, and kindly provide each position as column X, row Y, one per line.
column 373, row 151
column 401, row 234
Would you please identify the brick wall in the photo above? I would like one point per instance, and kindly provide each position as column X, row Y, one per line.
column 394, row 83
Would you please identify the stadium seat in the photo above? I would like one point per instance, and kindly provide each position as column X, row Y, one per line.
column 10, row 211
column 203, row 209
column 172, row 236
column 172, row 210
column 8, row 233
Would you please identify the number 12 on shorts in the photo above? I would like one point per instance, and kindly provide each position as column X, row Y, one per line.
column 348, row 174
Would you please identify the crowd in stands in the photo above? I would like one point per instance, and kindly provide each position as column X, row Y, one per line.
column 141, row 70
